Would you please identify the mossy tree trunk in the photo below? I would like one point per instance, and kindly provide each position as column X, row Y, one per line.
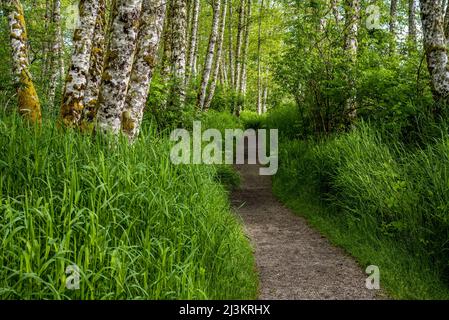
column 435, row 46
column 96, row 65
column 73, row 97
column 153, row 15
column 412, row 22
column 118, row 64
column 29, row 105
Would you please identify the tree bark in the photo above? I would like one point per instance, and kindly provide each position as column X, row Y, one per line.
column 435, row 47
column 219, row 57
column 56, row 52
column 210, row 54
column 412, row 21
column 238, row 49
column 242, row 89
column 118, row 65
column 96, row 65
column 393, row 16
column 191, row 70
column 231, row 47
column 335, row 12
column 352, row 8
column 167, row 41
column 178, row 58
column 446, row 21
column 150, row 32
column 259, row 67
column 73, row 96
column 393, row 22
column 29, row 105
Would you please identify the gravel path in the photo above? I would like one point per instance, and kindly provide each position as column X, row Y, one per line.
column 293, row 260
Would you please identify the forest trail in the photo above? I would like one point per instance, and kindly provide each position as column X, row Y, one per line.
column 293, row 260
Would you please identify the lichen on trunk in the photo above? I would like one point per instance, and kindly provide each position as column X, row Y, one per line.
column 28, row 101
column 118, row 64
column 150, row 31
column 73, row 97
column 96, row 65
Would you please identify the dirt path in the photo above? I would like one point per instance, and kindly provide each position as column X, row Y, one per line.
column 294, row 261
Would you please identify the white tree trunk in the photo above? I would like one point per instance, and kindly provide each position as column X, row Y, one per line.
column 210, row 54
column 193, row 41
column 435, row 47
column 118, row 65
column 29, row 106
column 56, row 52
column 153, row 15
column 412, row 21
column 238, row 49
column 219, row 58
column 265, row 97
column 179, row 25
column 96, row 65
column 73, row 96
column 231, row 48
column 242, row 88
column 351, row 46
column 259, row 67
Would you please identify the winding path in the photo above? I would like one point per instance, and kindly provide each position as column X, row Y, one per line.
column 293, row 260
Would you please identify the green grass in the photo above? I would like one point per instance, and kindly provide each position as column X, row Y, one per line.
column 382, row 203
column 137, row 226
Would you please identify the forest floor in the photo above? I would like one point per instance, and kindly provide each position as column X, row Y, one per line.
column 293, row 260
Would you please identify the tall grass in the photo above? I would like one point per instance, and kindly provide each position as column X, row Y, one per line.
column 385, row 204
column 137, row 226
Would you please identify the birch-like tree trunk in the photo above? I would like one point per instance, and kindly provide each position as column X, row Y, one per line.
column 352, row 17
column 334, row 7
column 178, row 54
column 231, row 48
column 219, row 57
column 96, row 65
column 247, row 26
column 435, row 47
column 150, row 32
column 56, row 61
column 446, row 21
column 393, row 22
column 73, row 96
column 412, row 21
column 393, row 16
column 167, row 41
column 259, row 67
column 265, row 97
column 193, row 41
column 210, row 54
column 29, row 106
column 238, row 49
column 118, row 64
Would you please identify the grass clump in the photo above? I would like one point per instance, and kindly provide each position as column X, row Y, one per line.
column 137, row 226
column 383, row 203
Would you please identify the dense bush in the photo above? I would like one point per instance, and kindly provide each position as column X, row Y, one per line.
column 137, row 226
